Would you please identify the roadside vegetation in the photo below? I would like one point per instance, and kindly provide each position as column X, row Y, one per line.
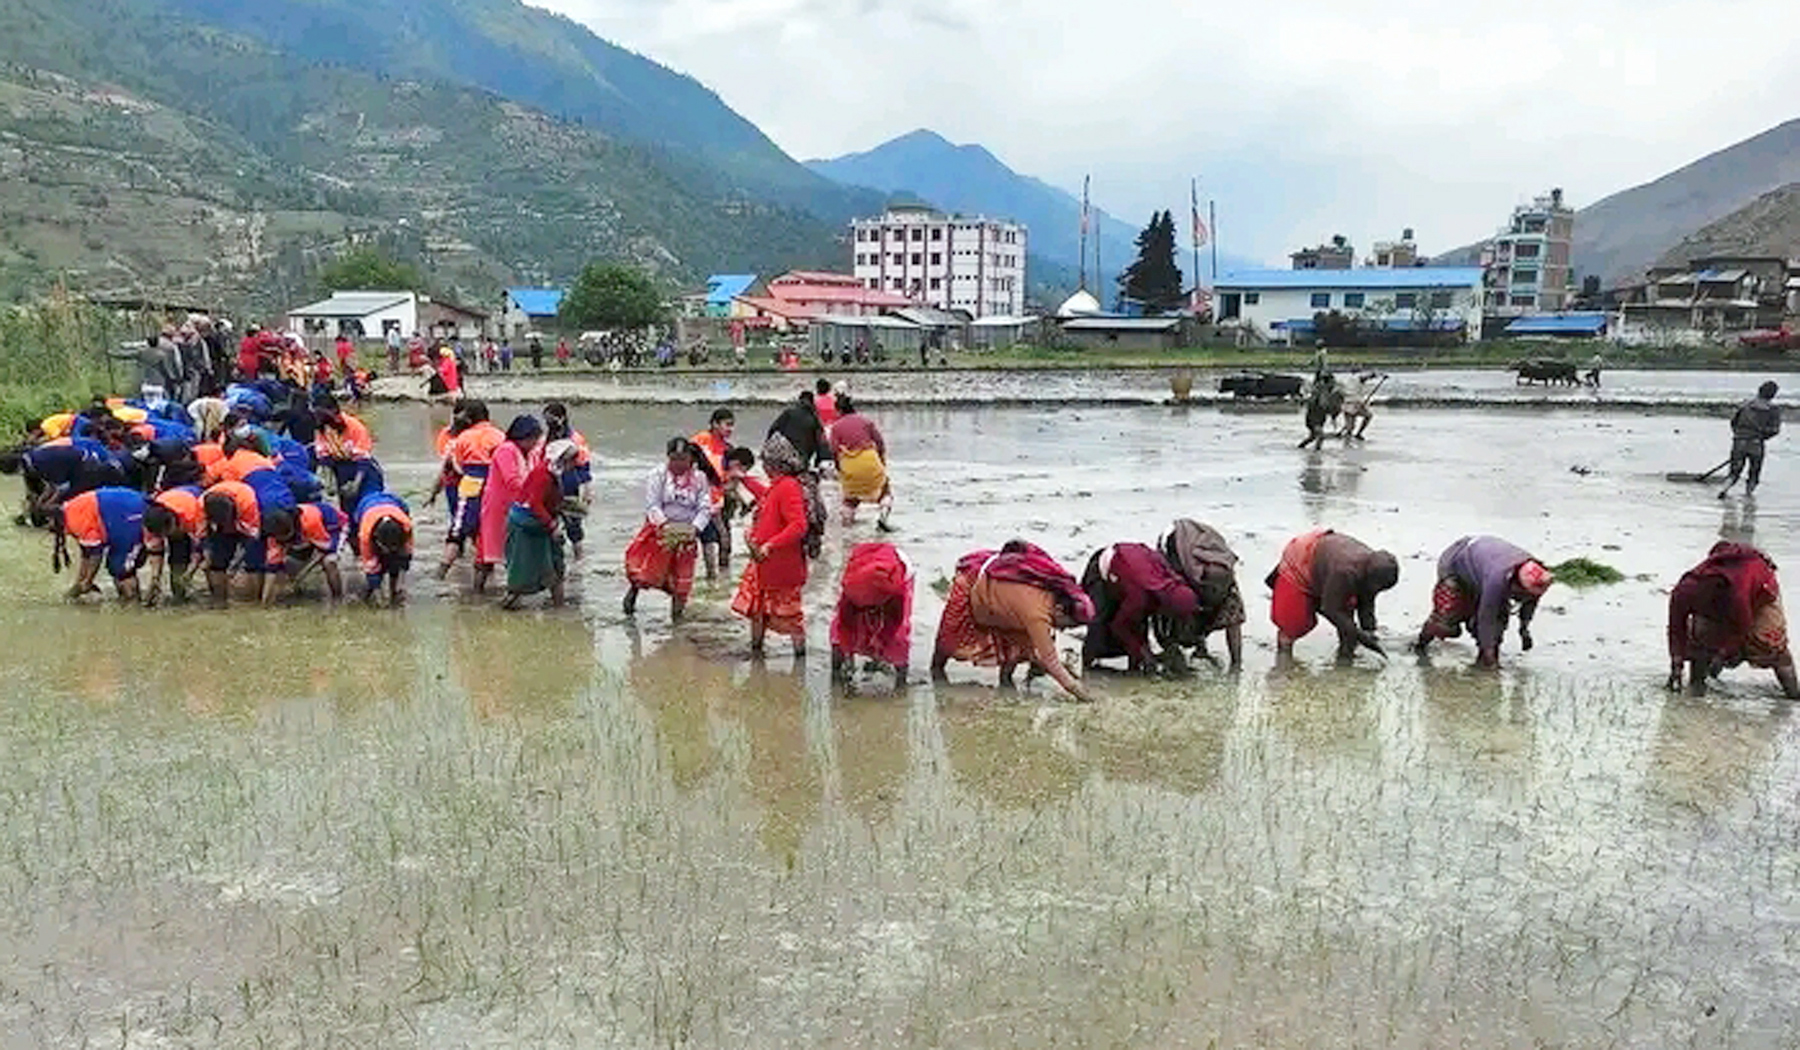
column 53, row 356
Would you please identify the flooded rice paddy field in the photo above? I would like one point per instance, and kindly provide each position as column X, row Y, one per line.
column 1627, row 389
column 451, row 827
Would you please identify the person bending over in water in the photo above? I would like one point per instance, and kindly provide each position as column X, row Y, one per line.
column 1727, row 611
column 1004, row 609
column 1208, row 564
column 381, row 532
column 174, row 526
column 1480, row 578
column 874, row 612
column 1328, row 574
column 108, row 524
column 1129, row 584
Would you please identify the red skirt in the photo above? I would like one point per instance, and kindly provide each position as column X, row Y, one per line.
column 1451, row 607
column 1292, row 609
column 959, row 637
column 651, row 566
column 781, row 609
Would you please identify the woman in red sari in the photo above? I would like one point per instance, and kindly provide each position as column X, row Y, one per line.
column 1005, row 608
column 506, row 477
column 769, row 595
column 874, row 612
column 1727, row 611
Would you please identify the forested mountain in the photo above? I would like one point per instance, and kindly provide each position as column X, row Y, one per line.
column 149, row 154
column 545, row 61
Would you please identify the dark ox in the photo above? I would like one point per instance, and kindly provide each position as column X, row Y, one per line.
column 1547, row 372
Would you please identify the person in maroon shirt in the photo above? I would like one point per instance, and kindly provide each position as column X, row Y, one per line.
column 1727, row 611
column 1130, row 583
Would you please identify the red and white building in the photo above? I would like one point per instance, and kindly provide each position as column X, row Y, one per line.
column 801, row 296
column 952, row 262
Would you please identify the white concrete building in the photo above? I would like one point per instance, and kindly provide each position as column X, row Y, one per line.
column 361, row 315
column 1279, row 305
column 952, row 262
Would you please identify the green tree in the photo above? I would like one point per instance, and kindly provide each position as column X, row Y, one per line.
column 608, row 295
column 1154, row 279
column 370, row 269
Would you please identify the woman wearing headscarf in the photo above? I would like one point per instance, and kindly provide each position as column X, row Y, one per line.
column 1328, row 574
column 1005, row 608
column 769, row 595
column 1209, row 565
column 862, row 464
column 677, row 508
column 1130, row 583
column 1480, row 578
column 1727, row 611
column 874, row 611
column 534, row 554
column 511, row 461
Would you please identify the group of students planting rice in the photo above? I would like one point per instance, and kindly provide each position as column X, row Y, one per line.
column 235, row 486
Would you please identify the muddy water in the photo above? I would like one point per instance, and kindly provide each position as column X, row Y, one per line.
column 1626, row 389
column 455, row 827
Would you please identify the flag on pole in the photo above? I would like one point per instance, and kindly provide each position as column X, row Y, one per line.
column 1200, row 232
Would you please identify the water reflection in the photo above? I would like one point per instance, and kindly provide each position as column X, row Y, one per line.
column 681, row 688
column 1709, row 754
column 1478, row 719
column 783, row 773
column 1325, row 711
column 996, row 752
column 523, row 663
column 873, row 754
column 1737, row 522
column 1325, row 475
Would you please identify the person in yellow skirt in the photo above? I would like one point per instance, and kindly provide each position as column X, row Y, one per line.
column 862, row 463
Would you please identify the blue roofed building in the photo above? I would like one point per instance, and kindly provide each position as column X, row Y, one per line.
column 1577, row 324
column 723, row 289
column 524, row 309
column 1279, row 305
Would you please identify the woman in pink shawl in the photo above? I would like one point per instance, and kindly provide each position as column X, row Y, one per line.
column 512, row 461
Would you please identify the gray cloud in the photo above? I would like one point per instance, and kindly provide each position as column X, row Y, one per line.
column 1303, row 119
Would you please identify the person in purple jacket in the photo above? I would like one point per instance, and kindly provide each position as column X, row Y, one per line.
column 1479, row 579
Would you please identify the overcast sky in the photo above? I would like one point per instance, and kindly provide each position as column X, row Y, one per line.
column 1302, row 118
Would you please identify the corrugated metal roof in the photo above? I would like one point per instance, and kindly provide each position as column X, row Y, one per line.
column 722, row 288
column 1580, row 323
column 1722, row 275
column 853, row 321
column 1001, row 321
column 1121, row 324
column 1367, row 278
column 537, row 302
column 929, row 316
column 352, row 304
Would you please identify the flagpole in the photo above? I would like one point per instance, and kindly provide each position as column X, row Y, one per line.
column 1084, row 231
column 1193, row 233
column 1212, row 223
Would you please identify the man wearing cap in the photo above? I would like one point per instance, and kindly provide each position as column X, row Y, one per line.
column 1479, row 579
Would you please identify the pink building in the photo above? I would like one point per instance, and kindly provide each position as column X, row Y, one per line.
column 801, row 295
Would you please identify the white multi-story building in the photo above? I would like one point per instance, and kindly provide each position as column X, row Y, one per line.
column 952, row 262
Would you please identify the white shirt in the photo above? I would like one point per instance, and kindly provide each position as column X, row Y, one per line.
column 678, row 501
